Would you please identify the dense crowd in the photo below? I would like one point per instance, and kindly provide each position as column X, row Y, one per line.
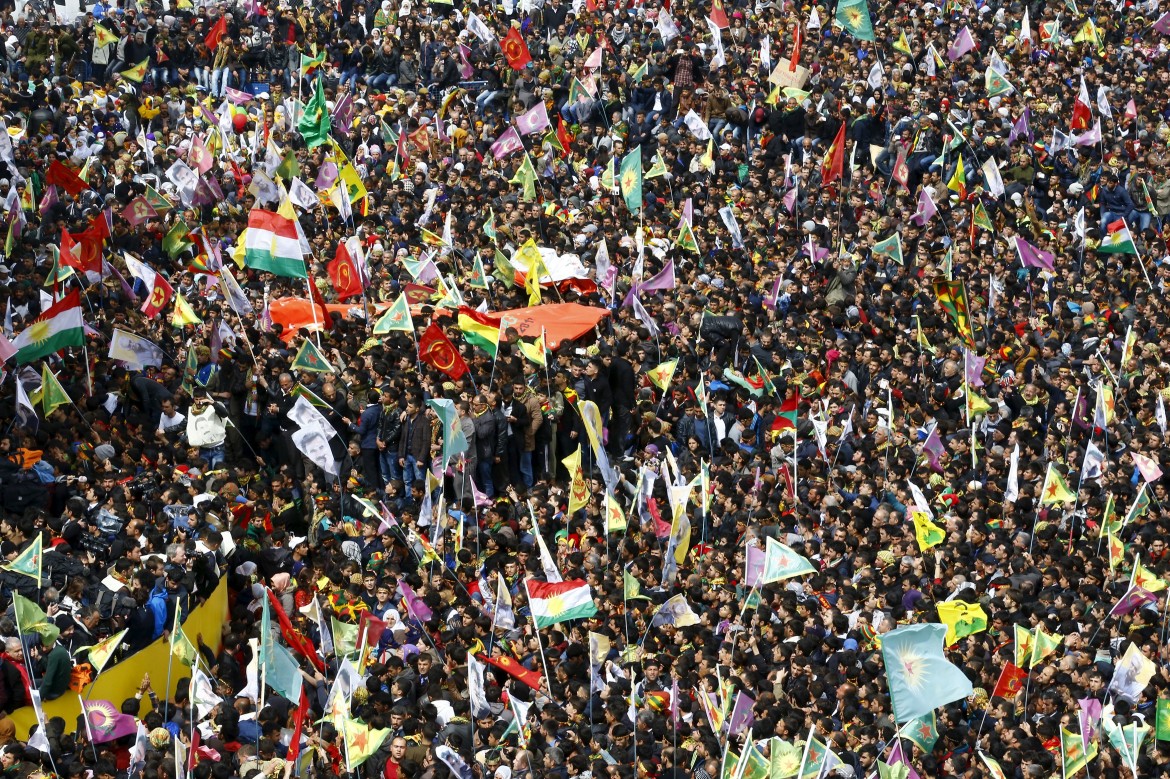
column 824, row 321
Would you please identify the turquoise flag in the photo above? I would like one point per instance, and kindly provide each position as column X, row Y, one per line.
column 454, row 441
column 920, row 677
column 284, row 673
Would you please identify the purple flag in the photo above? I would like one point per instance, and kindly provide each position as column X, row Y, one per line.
column 534, row 120
column 1092, row 137
column 238, row 96
column 933, row 448
column 741, row 714
column 974, row 369
column 662, row 280
column 898, row 757
column 343, row 112
column 7, row 350
column 508, row 142
column 1020, row 127
column 770, row 301
column 49, row 200
column 1163, row 24
column 106, row 722
column 1134, row 599
column 926, row 209
column 1033, row 256
column 414, row 604
column 1088, row 715
column 963, row 44
column 754, row 568
column 326, row 175
column 789, row 200
column 465, row 69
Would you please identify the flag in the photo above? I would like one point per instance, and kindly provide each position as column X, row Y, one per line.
column 514, row 669
column 926, row 209
column 58, row 174
column 902, row 44
column 1011, row 681
column 615, row 522
column 479, row 330
column 1119, row 240
column 556, row 602
column 508, row 142
column 343, row 273
column 31, row 619
column 396, row 318
column 815, row 755
column 436, row 350
column 923, row 731
column 314, row 125
column 183, row 314
column 631, row 179
column 958, row 181
column 29, row 561
column 676, row 612
column 920, row 677
column 1162, row 720
column 102, row 36
column 515, row 50
column 136, row 73
column 533, row 120
column 782, row 562
column 962, row 44
column 51, row 393
column 272, row 244
column 310, row 358
column 58, row 327
column 1072, row 753
column 1024, row 640
column 890, row 247
column 834, row 163
column 1147, row 467
column 994, row 180
column 218, row 30
column 361, row 742
column 926, row 532
column 1033, row 256
column 578, row 490
column 454, row 440
column 105, row 723
column 996, row 84
column 980, row 218
column 952, row 298
column 962, row 619
column 1055, row 489
column 177, row 238
column 101, row 652
column 661, row 376
column 1145, row 578
column 182, row 648
column 526, row 178
column 1043, row 645
column 853, row 15
column 1082, row 112
column 535, row 352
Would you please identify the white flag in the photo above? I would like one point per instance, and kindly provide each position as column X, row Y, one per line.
column 1091, row 468
column 1103, row 101
column 814, row 20
column 203, row 693
column 1012, row 492
column 307, row 417
column 1160, row 413
column 134, row 350
column 719, row 60
column 1079, row 226
column 476, row 695
column 993, row 178
column 1026, row 27
column 696, row 125
column 302, row 195
column 765, row 53
column 479, row 29
column 875, row 75
column 666, row 27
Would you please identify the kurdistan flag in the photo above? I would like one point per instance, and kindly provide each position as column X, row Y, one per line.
column 271, row 244
column 57, row 328
column 554, row 602
column 1119, row 240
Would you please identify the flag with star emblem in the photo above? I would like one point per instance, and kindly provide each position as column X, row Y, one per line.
column 1024, row 639
column 952, row 298
column 962, row 619
column 1055, row 489
column 630, row 178
column 29, row 561
column 396, row 318
column 1043, row 645
column 361, row 742
column 782, row 562
column 1146, row 579
column 662, row 375
column 853, row 15
column 309, row 358
column 815, row 752
column 923, row 731
column 578, row 489
column 1074, row 756
column 920, row 677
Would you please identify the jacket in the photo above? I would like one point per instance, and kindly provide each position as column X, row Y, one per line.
column 415, row 440
column 368, row 426
column 486, row 438
column 1116, row 200
column 57, row 668
column 535, row 418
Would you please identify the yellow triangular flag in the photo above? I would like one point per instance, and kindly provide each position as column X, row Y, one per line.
column 183, row 314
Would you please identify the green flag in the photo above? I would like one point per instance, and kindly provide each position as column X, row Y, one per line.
column 30, row 619
column 526, row 178
column 890, row 247
column 853, row 15
column 631, row 179
column 923, row 731
column 289, row 168
column 301, row 391
column 893, row 771
column 181, row 646
column 503, row 269
column 310, row 358
column 314, row 126
column 996, row 84
column 177, row 238
column 29, row 561
column 397, row 318
column 632, row 588
column 784, row 758
column 53, row 395
column 782, row 562
column 344, row 637
column 478, row 277
column 1162, row 720
column 657, row 168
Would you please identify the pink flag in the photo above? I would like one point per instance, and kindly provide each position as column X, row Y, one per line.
column 343, row 112
column 974, row 370
column 662, row 280
column 6, row 349
column 1020, row 127
column 1148, row 467
column 138, row 211
column 50, row 198
column 789, row 200
column 508, row 142
column 388, row 520
column 326, row 175
column 199, row 156
column 1088, row 715
column 1163, row 24
column 1131, row 109
column 237, row 96
column 755, row 566
column 1090, row 138
column 414, row 604
column 107, row 723
column 741, row 714
column 933, row 448
column 926, row 209
column 465, row 69
column 534, row 120
column 963, row 44
column 594, row 61
column 1033, row 256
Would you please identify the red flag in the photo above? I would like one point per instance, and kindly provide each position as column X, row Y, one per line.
column 435, row 349
column 786, row 416
column 81, row 251
column 344, row 274
column 563, row 135
column 294, row 745
column 418, row 294
column 834, row 164
column 515, row 49
column 718, row 15
column 797, row 43
column 295, row 640
column 64, row 178
column 322, row 309
column 509, row 666
column 1011, row 681
column 193, row 749
column 218, row 30
column 1082, row 113
column 372, row 628
column 158, row 296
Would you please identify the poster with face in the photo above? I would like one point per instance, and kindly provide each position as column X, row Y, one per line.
column 314, row 444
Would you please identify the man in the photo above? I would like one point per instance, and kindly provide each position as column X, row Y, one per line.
column 487, row 452
column 367, row 428
column 207, row 429
column 55, row 663
column 414, row 447
column 523, row 395
column 13, row 685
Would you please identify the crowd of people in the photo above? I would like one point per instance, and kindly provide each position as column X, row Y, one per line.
column 825, row 321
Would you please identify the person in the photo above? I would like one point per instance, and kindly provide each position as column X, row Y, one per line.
column 207, row 429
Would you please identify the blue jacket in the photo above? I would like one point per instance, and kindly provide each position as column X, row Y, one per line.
column 367, row 426
column 1116, row 200
column 157, row 603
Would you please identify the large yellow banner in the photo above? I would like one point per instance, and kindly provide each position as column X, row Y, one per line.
column 119, row 682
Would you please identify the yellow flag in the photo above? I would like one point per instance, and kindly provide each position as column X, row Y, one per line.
column 1024, row 639
column 238, row 249
column 136, row 73
column 183, row 314
column 1146, row 579
column 926, row 532
column 962, row 619
column 615, row 518
column 662, row 375
column 1055, row 489
column 535, row 351
column 578, row 490
column 101, row 652
column 361, row 741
